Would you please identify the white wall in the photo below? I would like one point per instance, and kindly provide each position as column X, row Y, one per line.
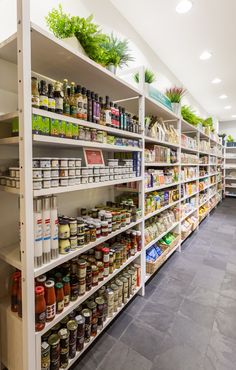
column 228, row 127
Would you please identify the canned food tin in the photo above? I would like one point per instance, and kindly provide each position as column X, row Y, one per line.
column 72, row 326
column 100, row 305
column 64, row 359
column 45, row 355
column 64, row 340
column 110, row 296
column 72, row 350
column 54, row 342
column 81, row 325
column 82, row 286
column 110, row 310
column 93, row 308
column 80, row 343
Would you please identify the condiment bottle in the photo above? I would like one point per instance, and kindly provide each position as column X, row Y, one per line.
column 50, row 298
column 66, row 289
column 58, row 95
column 38, row 233
column 79, row 102
column 107, row 111
column 40, row 308
column 59, row 297
column 97, row 109
column 51, row 99
column 35, row 92
column 89, row 107
column 66, row 102
column 41, row 280
column 54, row 228
column 94, row 108
column 85, row 103
column 73, row 105
column 46, row 230
column 14, row 290
column 101, row 118
column 116, row 112
column 124, row 120
column 113, row 115
column 43, row 95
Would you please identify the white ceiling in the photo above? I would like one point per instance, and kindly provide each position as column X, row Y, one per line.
column 179, row 39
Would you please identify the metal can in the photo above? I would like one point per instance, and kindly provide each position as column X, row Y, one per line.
column 64, row 340
column 55, row 329
column 110, row 310
column 100, row 306
column 110, row 297
column 54, row 342
column 88, row 319
column 64, row 359
column 45, row 356
column 93, row 308
column 81, row 325
column 94, row 275
column 72, row 326
column 80, row 343
column 89, row 278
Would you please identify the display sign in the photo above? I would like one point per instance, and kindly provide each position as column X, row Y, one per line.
column 157, row 95
column 93, row 157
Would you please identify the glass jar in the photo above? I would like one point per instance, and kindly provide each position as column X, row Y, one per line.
column 64, row 229
column 104, row 228
column 94, row 275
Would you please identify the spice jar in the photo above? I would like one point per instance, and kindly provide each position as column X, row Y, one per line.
column 105, row 252
column 66, row 289
column 50, row 298
column 40, row 308
column 104, row 228
column 81, row 268
column 94, row 275
column 64, row 229
column 92, row 230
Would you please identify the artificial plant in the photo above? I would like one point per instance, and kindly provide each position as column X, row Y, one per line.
column 61, row 24
column 230, row 139
column 175, row 94
column 190, row 116
column 149, row 76
column 116, row 51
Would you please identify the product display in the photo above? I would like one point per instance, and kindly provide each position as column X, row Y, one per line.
column 189, row 173
column 187, row 158
column 189, row 206
column 155, row 178
column 160, row 154
column 161, row 131
column 188, row 189
column 189, row 142
column 156, row 200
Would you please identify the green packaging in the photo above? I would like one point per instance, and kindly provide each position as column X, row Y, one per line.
column 36, row 124
column 15, row 127
column 54, row 127
column 45, row 126
column 69, row 130
column 75, row 131
column 62, row 128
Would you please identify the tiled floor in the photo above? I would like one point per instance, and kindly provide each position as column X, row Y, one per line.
column 187, row 319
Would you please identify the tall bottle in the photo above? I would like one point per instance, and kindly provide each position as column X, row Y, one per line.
column 79, row 102
column 120, row 119
column 58, row 95
column 97, row 109
column 107, row 111
column 40, row 308
column 113, row 115
column 94, row 108
column 43, row 95
column 35, row 92
column 85, row 103
column 51, row 99
column 66, row 102
column 89, row 107
column 54, row 228
column 72, row 100
column 102, row 118
column 50, row 298
column 16, row 276
column 116, row 109
column 38, row 233
column 46, row 230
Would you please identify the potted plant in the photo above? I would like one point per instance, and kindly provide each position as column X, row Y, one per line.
column 175, row 95
column 149, row 77
column 189, row 115
column 230, row 140
column 115, row 53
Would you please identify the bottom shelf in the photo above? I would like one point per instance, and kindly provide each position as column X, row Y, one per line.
column 106, row 323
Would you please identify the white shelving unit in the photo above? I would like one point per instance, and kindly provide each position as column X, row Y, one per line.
column 230, row 171
column 41, row 53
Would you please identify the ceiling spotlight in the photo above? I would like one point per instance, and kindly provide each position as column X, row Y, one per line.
column 228, row 107
column 184, row 6
column 223, row 96
column 205, row 55
column 216, row 80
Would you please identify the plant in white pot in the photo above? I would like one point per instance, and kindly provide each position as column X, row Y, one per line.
column 175, row 95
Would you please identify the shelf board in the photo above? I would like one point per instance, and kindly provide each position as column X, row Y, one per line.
column 189, row 196
column 8, row 117
column 187, row 127
column 189, row 214
column 161, row 164
column 189, row 180
column 8, row 49
column 183, row 148
column 11, row 255
column 156, row 188
column 230, row 186
column 9, row 190
column 230, row 194
column 153, row 107
column 160, row 210
column 155, row 141
column 161, row 236
column 66, row 257
column 83, row 298
column 94, row 185
column 230, row 178
column 189, row 164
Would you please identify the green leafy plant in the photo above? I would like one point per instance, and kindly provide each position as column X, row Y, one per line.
column 175, row 94
column 116, row 51
column 149, row 77
column 230, row 139
column 189, row 115
column 61, row 24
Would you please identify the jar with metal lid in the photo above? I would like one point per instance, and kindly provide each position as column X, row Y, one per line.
column 100, row 270
column 72, row 327
column 81, row 133
column 74, row 286
column 106, row 269
column 98, row 253
column 81, row 325
column 86, row 235
column 80, row 240
column 88, row 320
column 80, row 226
column 64, row 340
column 81, row 268
column 45, row 356
column 82, row 286
column 104, row 228
column 105, row 254
column 93, row 308
column 54, row 343
column 64, row 229
column 94, row 275
column 89, row 278
column 92, row 230
column 98, row 229
column 64, row 246
column 100, row 311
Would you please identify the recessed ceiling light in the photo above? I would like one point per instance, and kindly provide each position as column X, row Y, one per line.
column 205, row 55
column 228, row 107
column 216, row 80
column 223, row 96
column 184, row 6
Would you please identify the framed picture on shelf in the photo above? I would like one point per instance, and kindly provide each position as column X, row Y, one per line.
column 93, row 157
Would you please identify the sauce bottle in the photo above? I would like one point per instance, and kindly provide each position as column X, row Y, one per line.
column 113, row 116
column 40, row 308
column 89, row 107
column 50, row 298
column 107, row 111
column 59, row 297
column 116, row 112
column 51, row 99
column 94, row 108
column 43, row 95
column 14, row 290
column 35, row 92
column 66, row 289
column 97, row 109
column 85, row 104
column 58, row 95
column 72, row 101
column 66, row 102
column 79, row 102
column 101, row 118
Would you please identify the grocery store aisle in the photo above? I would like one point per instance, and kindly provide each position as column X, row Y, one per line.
column 186, row 321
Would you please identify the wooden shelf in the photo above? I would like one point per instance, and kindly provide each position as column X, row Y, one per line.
column 11, row 255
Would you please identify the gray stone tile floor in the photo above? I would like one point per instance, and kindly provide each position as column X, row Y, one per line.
column 187, row 319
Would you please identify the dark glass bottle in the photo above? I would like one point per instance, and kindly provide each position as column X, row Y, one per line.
column 51, row 99
column 97, row 109
column 101, row 107
column 113, row 116
column 94, row 108
column 43, row 95
column 107, row 111
column 89, row 107
column 72, row 101
column 66, row 101
column 79, row 102
column 120, row 119
column 58, row 95
column 116, row 112
column 85, row 104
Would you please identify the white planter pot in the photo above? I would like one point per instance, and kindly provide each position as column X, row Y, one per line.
column 111, row 68
column 176, row 108
column 75, row 44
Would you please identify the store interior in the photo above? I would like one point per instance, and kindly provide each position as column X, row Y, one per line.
column 117, row 185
